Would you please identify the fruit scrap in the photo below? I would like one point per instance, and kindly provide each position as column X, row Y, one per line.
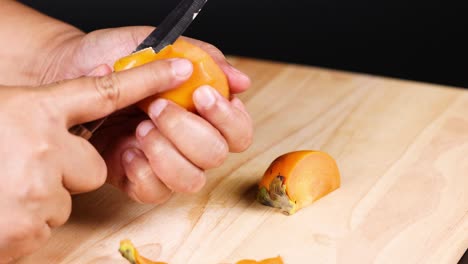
column 297, row 179
column 277, row 260
column 205, row 72
column 129, row 252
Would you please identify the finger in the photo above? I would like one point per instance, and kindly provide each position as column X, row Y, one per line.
column 143, row 185
column 105, row 46
column 58, row 208
column 230, row 118
column 238, row 81
column 91, row 98
column 173, row 169
column 113, row 157
column 193, row 136
column 84, row 169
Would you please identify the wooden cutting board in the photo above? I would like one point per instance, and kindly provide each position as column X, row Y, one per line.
column 402, row 148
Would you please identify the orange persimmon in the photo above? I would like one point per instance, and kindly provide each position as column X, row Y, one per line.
column 205, row 72
column 277, row 260
column 129, row 252
column 297, row 179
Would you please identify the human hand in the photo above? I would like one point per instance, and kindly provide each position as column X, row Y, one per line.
column 179, row 145
column 43, row 164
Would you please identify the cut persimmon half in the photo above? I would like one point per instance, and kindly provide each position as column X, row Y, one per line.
column 297, row 179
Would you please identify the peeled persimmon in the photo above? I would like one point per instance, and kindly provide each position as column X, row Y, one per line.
column 297, row 179
column 205, row 72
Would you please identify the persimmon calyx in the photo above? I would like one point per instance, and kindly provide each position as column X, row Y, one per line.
column 277, row 197
column 128, row 251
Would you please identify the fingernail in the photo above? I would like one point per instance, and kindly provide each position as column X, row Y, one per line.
column 144, row 128
column 205, row 96
column 181, row 67
column 157, row 107
column 129, row 155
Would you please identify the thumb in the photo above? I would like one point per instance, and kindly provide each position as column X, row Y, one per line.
column 90, row 98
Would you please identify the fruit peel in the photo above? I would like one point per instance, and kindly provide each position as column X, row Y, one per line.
column 277, row 260
column 130, row 253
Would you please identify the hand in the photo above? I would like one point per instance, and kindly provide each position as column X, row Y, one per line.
column 43, row 164
column 170, row 152
column 80, row 54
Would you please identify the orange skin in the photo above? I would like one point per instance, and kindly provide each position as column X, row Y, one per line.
column 205, row 72
column 129, row 252
column 277, row 260
column 307, row 176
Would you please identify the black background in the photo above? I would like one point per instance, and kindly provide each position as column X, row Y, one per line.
column 409, row 39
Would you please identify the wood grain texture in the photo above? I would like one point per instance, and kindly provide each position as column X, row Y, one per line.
column 402, row 149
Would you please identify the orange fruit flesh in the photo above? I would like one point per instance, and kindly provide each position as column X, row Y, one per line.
column 314, row 176
column 205, row 72
column 282, row 166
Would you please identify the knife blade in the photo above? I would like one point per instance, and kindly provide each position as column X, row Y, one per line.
column 170, row 29
column 173, row 26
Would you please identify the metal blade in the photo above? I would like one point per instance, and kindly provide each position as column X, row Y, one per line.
column 173, row 26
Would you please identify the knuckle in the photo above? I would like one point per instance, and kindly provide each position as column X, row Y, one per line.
column 17, row 235
column 64, row 212
column 159, row 76
column 157, row 148
column 41, row 235
column 149, row 191
column 108, row 89
column 219, row 155
column 42, row 149
column 35, row 191
column 153, row 197
column 24, row 230
column 243, row 143
column 144, row 174
column 176, row 121
column 162, row 74
column 243, row 138
column 47, row 110
column 196, row 182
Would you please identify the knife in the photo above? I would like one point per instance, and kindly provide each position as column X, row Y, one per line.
column 170, row 29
